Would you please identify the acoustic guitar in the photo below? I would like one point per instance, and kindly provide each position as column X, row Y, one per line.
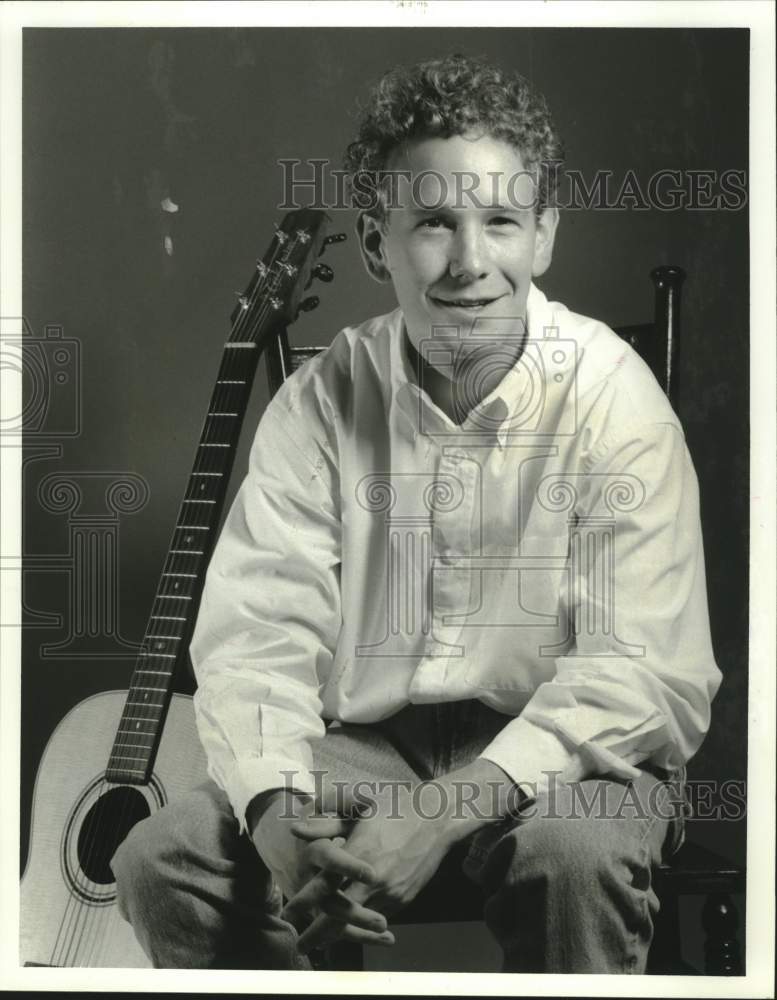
column 83, row 807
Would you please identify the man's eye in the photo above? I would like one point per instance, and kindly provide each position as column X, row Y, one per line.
column 502, row 220
column 433, row 222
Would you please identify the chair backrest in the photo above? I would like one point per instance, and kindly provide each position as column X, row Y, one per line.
column 657, row 343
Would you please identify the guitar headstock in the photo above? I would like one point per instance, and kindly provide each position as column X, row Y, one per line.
column 273, row 297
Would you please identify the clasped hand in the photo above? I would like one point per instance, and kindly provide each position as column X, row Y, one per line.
column 392, row 853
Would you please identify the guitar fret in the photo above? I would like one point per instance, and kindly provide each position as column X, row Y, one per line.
column 215, row 413
column 197, row 527
column 173, row 597
column 249, row 345
column 168, row 618
column 134, row 731
column 126, row 756
column 155, row 637
column 211, row 444
column 133, row 746
column 131, row 770
column 140, row 687
column 199, row 501
column 168, row 656
column 160, row 673
column 230, row 381
column 187, row 552
column 144, row 704
column 211, row 473
column 192, row 576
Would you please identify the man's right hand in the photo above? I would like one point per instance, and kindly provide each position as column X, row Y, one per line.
column 321, row 867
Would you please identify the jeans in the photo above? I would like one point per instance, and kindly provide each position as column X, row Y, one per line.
column 566, row 881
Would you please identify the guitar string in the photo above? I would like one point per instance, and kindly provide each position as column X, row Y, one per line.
column 220, row 401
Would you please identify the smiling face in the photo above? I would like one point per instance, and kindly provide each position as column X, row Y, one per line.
column 464, row 241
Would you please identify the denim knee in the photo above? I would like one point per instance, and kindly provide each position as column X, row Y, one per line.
column 196, row 893
column 138, row 863
column 183, row 842
column 550, row 849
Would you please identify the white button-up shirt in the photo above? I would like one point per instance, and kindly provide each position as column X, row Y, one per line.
column 544, row 557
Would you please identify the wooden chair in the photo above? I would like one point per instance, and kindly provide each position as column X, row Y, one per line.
column 694, row 870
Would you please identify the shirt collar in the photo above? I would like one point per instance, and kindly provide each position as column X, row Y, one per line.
column 493, row 416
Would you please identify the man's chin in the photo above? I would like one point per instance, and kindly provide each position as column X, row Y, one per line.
column 462, row 326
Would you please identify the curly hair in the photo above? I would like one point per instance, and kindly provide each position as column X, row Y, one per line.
column 446, row 97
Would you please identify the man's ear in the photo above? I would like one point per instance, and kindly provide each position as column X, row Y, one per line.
column 371, row 235
column 544, row 238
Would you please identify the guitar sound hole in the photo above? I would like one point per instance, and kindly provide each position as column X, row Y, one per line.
column 105, row 826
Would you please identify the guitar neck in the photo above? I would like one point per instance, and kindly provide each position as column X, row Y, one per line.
column 270, row 301
column 174, row 611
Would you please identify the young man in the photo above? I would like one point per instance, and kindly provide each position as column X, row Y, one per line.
column 469, row 538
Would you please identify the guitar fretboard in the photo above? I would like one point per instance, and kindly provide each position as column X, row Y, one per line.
column 174, row 610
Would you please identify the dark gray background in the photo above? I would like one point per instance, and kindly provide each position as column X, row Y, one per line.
column 116, row 119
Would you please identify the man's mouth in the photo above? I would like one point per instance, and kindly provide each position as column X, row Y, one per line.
column 464, row 303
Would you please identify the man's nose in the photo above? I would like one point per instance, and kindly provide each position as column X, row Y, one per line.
column 468, row 254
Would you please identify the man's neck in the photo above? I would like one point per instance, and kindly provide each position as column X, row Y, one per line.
column 458, row 395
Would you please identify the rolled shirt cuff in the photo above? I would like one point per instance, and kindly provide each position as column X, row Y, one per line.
column 250, row 776
column 534, row 757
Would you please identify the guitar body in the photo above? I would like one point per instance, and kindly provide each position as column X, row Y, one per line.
column 68, row 897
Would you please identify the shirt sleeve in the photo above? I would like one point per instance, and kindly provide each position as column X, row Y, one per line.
column 639, row 687
column 270, row 615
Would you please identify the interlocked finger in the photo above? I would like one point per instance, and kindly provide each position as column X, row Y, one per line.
column 349, row 911
column 317, row 826
column 300, row 907
column 331, row 858
column 325, row 929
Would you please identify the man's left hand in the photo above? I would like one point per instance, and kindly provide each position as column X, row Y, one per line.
column 403, row 847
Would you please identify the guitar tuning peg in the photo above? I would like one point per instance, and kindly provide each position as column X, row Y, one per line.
column 334, row 238
column 323, row 272
column 309, row 304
